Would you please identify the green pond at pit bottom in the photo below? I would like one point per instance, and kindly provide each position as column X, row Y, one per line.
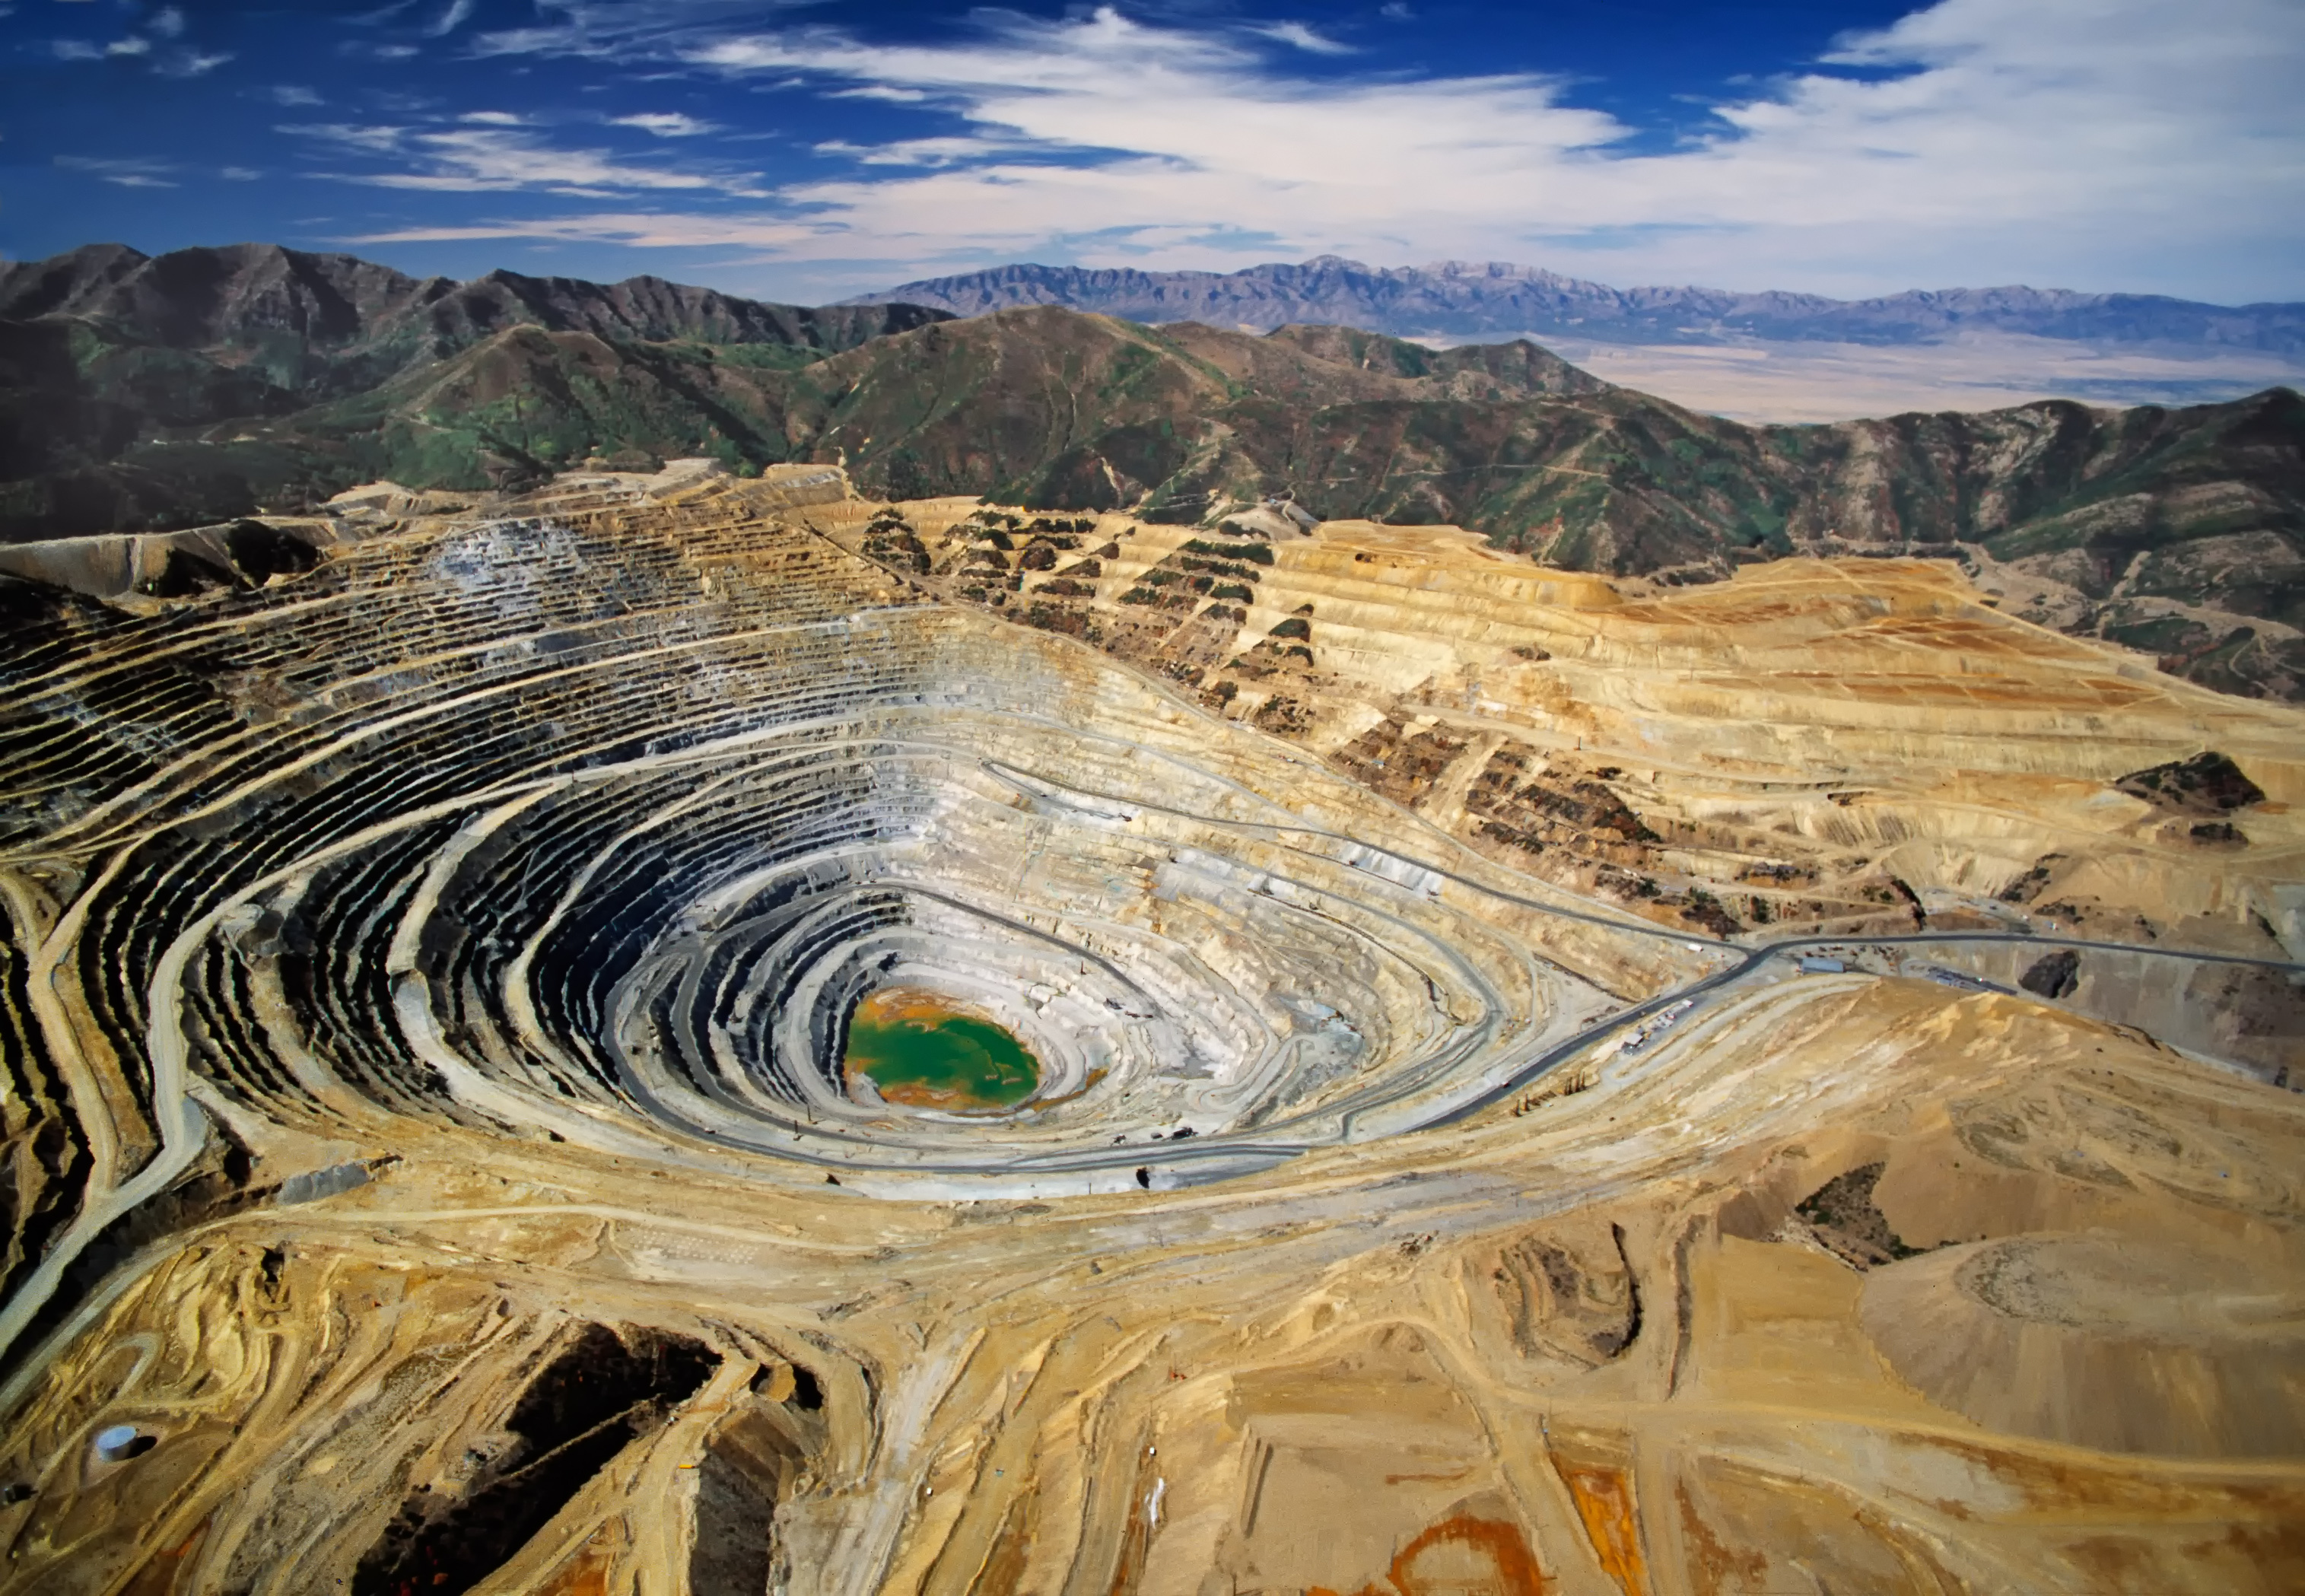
column 924, row 1055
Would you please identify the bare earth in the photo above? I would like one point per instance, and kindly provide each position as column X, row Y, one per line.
column 1536, row 1232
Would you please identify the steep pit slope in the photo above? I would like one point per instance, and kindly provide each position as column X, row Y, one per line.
column 1817, row 748
column 430, row 1170
column 663, row 788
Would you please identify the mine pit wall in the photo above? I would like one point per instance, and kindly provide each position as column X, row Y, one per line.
column 1808, row 745
column 132, row 566
column 336, row 1422
column 522, row 821
column 1423, row 637
column 1790, row 711
column 1569, row 1346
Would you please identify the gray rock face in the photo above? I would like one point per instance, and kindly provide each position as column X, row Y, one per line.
column 1457, row 298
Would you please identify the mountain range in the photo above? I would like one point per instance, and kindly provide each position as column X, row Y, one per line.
column 195, row 387
column 1457, row 299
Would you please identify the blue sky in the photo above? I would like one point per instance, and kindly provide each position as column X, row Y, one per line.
column 805, row 151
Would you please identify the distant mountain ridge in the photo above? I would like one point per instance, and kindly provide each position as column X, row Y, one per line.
column 1458, row 298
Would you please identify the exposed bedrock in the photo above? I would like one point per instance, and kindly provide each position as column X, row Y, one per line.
column 430, row 1164
column 592, row 822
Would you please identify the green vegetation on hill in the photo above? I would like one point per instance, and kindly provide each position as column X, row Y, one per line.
column 167, row 391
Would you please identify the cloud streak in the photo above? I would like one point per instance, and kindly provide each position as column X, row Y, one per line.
column 157, row 48
column 664, row 124
column 622, row 30
column 192, row 63
column 1303, row 37
column 492, row 152
column 458, row 12
column 121, row 173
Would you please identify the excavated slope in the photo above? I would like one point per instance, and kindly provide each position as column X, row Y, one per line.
column 1545, row 1085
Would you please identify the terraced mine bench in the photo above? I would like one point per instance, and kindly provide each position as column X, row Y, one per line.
column 428, row 980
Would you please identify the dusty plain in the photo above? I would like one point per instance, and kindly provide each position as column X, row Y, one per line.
column 1779, row 1085
column 1763, row 380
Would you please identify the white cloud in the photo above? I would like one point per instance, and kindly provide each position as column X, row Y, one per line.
column 290, row 94
column 2089, row 143
column 168, row 59
column 450, row 20
column 882, row 92
column 239, row 174
column 622, row 30
column 1302, row 37
column 664, row 124
column 192, row 63
column 639, row 229
column 912, row 152
column 377, row 140
column 495, row 118
column 495, row 158
column 124, row 173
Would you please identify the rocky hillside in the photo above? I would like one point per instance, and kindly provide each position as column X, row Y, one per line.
column 305, row 323
column 1460, row 299
column 122, row 373
column 175, row 392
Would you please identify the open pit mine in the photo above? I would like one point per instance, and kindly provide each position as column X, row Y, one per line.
column 681, row 1032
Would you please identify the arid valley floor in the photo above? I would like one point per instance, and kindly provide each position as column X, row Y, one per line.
column 1549, row 1083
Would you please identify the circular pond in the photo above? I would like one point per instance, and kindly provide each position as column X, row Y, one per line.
column 921, row 1051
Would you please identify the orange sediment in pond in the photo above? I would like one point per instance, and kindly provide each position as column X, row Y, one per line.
column 921, row 1051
